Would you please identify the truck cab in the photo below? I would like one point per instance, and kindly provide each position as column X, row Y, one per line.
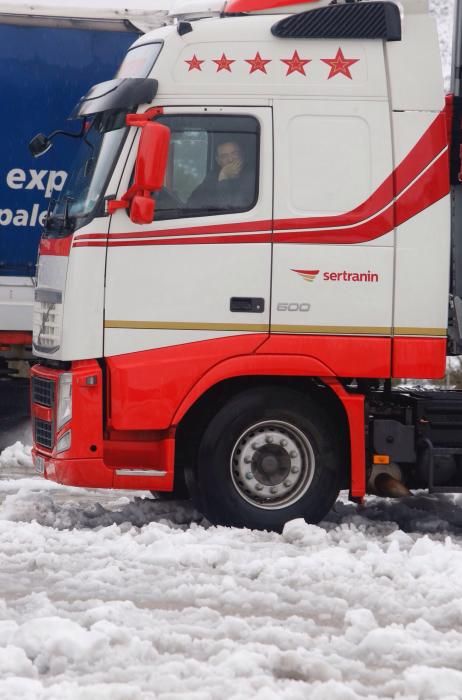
column 255, row 240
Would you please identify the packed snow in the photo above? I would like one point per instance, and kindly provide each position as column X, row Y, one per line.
column 116, row 596
column 111, row 595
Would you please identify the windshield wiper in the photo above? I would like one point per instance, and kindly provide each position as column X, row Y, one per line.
column 66, row 220
column 47, row 224
column 54, row 222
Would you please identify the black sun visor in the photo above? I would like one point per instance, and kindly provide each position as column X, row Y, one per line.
column 121, row 93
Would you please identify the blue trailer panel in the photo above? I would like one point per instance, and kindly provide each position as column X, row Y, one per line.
column 43, row 72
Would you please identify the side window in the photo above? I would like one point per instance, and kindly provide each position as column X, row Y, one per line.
column 187, row 166
column 212, row 168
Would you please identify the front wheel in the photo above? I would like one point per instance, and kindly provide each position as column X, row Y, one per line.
column 268, row 456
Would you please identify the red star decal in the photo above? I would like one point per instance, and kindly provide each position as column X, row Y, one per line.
column 339, row 65
column 257, row 63
column 223, row 63
column 194, row 63
column 296, row 64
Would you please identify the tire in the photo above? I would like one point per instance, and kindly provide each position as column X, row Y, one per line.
column 268, row 456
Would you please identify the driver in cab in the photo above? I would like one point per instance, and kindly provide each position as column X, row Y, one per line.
column 230, row 185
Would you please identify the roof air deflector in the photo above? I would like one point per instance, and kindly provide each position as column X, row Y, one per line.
column 359, row 20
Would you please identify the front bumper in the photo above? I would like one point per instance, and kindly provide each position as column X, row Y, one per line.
column 95, row 458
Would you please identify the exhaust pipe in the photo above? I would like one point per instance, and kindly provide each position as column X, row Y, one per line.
column 386, row 485
column 386, row 480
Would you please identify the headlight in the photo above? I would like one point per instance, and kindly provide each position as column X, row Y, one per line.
column 65, row 400
column 47, row 322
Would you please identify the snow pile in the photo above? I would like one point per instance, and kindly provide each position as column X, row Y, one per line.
column 76, row 508
column 120, row 597
column 17, row 455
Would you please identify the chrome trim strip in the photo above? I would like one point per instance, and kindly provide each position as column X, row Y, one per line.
column 139, row 472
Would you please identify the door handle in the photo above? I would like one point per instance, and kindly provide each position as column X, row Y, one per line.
column 247, row 305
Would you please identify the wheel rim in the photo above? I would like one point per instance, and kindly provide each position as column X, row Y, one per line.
column 272, row 465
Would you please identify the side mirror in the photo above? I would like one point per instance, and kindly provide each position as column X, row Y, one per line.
column 142, row 209
column 39, row 145
column 151, row 161
column 150, row 169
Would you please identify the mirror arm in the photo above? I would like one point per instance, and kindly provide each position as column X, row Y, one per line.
column 71, row 134
column 143, row 118
column 114, row 205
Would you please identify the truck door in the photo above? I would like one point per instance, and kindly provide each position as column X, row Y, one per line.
column 201, row 270
column 333, row 231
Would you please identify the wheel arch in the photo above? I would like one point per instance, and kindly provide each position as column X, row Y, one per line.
column 248, row 367
column 195, row 419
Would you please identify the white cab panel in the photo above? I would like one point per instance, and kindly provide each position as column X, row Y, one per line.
column 422, row 270
column 408, row 128
column 329, row 150
column 84, row 305
column 422, row 242
column 121, row 341
column 367, row 76
column 414, row 64
column 261, row 65
column 186, row 286
column 349, row 289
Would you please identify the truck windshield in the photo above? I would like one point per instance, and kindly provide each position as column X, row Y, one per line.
column 81, row 198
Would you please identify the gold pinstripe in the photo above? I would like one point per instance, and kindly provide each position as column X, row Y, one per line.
column 276, row 328
column 331, row 330
column 188, row 326
column 406, row 330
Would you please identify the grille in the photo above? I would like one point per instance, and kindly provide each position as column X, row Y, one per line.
column 43, row 433
column 43, row 391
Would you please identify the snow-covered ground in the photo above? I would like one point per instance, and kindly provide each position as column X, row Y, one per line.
column 121, row 597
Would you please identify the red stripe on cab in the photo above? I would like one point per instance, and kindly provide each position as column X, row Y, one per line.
column 424, row 172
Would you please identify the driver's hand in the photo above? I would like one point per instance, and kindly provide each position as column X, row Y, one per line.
column 231, row 170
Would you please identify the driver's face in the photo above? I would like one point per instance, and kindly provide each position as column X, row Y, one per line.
column 228, row 153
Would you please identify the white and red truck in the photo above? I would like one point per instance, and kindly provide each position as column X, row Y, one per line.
column 260, row 234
